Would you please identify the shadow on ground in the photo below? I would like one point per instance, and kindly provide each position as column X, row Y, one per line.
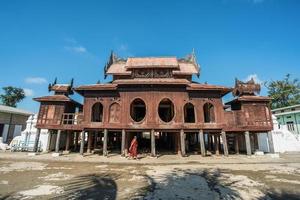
column 180, row 184
column 91, row 186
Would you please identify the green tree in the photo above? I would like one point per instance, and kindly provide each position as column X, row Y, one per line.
column 12, row 96
column 284, row 92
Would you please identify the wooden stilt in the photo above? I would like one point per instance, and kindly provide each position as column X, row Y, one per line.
column 76, row 141
column 237, row 149
column 123, row 142
column 68, row 140
column 57, row 144
column 216, row 143
column 270, row 141
column 224, row 140
column 153, row 153
column 202, row 144
column 208, row 142
column 95, row 140
column 36, row 141
column 248, row 145
column 49, row 141
column 177, row 143
column 89, row 144
column 105, row 153
column 182, row 142
column 82, row 142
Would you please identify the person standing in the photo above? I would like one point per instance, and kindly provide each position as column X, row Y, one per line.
column 133, row 148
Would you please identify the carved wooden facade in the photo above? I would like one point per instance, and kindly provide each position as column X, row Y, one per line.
column 156, row 95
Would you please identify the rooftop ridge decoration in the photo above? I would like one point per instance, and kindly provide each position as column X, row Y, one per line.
column 113, row 58
column 186, row 66
column 61, row 89
column 191, row 58
column 246, row 88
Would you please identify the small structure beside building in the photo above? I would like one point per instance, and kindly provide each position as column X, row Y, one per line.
column 12, row 122
column 283, row 139
column 290, row 117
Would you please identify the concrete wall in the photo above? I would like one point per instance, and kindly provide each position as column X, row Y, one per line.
column 13, row 125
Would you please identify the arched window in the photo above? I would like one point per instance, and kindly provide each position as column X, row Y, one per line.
column 114, row 113
column 138, row 110
column 209, row 113
column 166, row 110
column 97, row 112
column 189, row 113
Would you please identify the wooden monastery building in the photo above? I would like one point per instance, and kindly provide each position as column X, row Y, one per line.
column 155, row 99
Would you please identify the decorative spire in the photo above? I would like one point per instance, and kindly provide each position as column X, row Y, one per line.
column 113, row 58
column 246, row 88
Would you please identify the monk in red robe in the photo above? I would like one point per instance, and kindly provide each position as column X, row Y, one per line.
column 133, row 148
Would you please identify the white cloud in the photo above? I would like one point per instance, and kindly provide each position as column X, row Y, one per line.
column 255, row 78
column 76, row 49
column 73, row 45
column 123, row 50
column 36, row 80
column 28, row 92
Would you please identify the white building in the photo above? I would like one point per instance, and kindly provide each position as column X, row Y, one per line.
column 283, row 139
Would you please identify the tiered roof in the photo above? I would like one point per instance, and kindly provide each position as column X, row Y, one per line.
column 183, row 66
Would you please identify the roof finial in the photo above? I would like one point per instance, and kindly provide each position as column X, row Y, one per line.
column 55, row 81
column 72, row 81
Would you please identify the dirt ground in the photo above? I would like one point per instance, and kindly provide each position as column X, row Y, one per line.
column 242, row 179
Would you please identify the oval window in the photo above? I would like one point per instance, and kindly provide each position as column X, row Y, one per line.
column 166, row 110
column 138, row 110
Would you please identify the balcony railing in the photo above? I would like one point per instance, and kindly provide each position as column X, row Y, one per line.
column 72, row 118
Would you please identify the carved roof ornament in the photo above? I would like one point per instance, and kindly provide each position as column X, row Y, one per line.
column 65, row 89
column 192, row 59
column 124, row 66
column 113, row 58
column 245, row 88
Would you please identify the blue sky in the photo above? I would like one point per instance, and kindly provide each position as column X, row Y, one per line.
column 41, row 40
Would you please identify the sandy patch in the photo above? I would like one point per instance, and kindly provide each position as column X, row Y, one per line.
column 102, row 166
column 136, row 178
column 57, row 177
column 59, row 168
column 42, row 190
column 23, row 166
column 4, row 182
column 239, row 186
column 287, row 181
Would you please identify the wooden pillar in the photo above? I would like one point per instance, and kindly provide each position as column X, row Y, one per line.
column 153, row 152
column 57, row 144
column 82, row 143
column 89, row 142
column 36, row 141
column 237, row 148
column 208, row 142
column 123, row 142
column 182, row 142
column 68, row 140
column 270, row 142
column 224, row 139
column 216, row 143
column 49, row 141
column 76, row 141
column 202, row 144
column 177, row 144
column 95, row 140
column 248, row 145
column 105, row 143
